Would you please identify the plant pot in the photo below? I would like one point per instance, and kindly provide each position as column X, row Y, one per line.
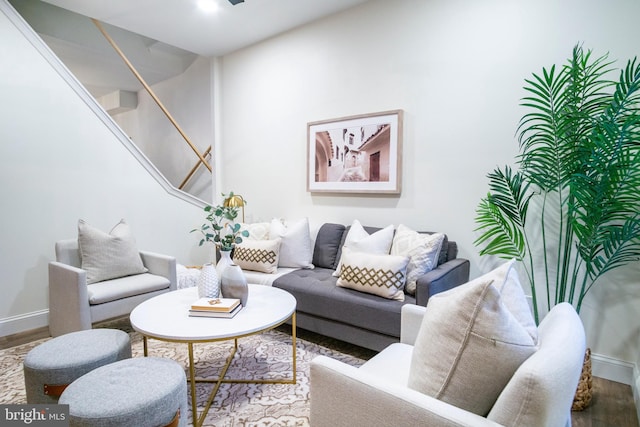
column 234, row 284
column 584, row 393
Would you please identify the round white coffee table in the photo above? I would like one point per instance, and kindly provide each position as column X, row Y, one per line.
column 166, row 317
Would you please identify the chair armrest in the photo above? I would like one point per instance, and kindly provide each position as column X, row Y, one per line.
column 442, row 278
column 342, row 395
column 161, row 265
column 68, row 299
column 410, row 321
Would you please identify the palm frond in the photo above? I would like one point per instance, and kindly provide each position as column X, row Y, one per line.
column 501, row 216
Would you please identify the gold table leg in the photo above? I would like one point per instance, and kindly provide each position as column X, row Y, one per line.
column 199, row 420
column 192, row 380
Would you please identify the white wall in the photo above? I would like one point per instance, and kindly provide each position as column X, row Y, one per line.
column 457, row 68
column 59, row 163
column 188, row 99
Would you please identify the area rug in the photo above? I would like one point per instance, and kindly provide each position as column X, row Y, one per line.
column 267, row 355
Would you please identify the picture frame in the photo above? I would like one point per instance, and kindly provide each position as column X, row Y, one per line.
column 356, row 154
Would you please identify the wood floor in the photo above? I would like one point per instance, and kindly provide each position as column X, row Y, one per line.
column 612, row 404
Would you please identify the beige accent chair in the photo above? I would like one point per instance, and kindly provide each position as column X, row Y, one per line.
column 75, row 306
column 540, row 393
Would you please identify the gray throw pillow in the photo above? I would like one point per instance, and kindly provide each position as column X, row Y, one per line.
column 110, row 255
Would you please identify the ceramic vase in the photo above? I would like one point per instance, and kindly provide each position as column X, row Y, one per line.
column 208, row 282
column 233, row 284
column 224, row 261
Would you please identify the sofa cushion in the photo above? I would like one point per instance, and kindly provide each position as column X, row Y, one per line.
column 317, row 294
column 258, row 255
column 257, row 230
column 422, row 250
column 296, row 249
column 327, row 244
column 123, row 287
column 382, row 275
column 360, row 240
column 470, row 343
column 108, row 255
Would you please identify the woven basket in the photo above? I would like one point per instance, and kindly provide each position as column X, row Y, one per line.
column 584, row 393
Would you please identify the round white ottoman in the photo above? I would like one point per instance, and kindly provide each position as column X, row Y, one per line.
column 54, row 364
column 140, row 392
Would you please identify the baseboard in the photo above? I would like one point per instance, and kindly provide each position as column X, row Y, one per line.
column 613, row 369
column 24, row 322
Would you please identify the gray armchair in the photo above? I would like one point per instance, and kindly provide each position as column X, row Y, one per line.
column 75, row 305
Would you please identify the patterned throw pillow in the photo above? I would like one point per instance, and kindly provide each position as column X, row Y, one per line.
column 472, row 340
column 422, row 249
column 110, row 255
column 258, row 255
column 382, row 275
column 359, row 240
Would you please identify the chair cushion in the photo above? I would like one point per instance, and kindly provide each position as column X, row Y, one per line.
column 470, row 342
column 123, row 287
column 382, row 275
column 108, row 255
column 422, row 249
column 258, row 255
column 296, row 249
column 391, row 365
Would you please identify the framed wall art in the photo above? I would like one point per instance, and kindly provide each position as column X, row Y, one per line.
column 357, row 154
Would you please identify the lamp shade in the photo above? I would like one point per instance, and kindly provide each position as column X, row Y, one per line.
column 234, row 201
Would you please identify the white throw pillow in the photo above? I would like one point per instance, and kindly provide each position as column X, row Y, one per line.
column 295, row 250
column 360, row 241
column 382, row 275
column 110, row 255
column 257, row 230
column 258, row 255
column 422, row 249
column 470, row 342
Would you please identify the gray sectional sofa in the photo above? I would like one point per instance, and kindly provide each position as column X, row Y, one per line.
column 360, row 318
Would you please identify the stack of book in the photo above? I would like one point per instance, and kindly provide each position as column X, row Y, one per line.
column 215, row 307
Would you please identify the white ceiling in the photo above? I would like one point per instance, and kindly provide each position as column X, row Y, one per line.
column 160, row 37
column 182, row 24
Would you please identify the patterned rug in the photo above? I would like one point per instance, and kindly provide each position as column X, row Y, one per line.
column 266, row 355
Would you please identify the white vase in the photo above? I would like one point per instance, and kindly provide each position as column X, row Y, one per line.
column 233, row 284
column 208, row 282
column 224, row 261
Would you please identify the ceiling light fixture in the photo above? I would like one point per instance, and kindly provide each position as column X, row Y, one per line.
column 235, row 2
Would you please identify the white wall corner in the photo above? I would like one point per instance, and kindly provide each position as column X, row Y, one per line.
column 635, row 387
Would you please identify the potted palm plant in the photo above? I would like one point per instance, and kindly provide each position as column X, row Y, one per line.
column 571, row 212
